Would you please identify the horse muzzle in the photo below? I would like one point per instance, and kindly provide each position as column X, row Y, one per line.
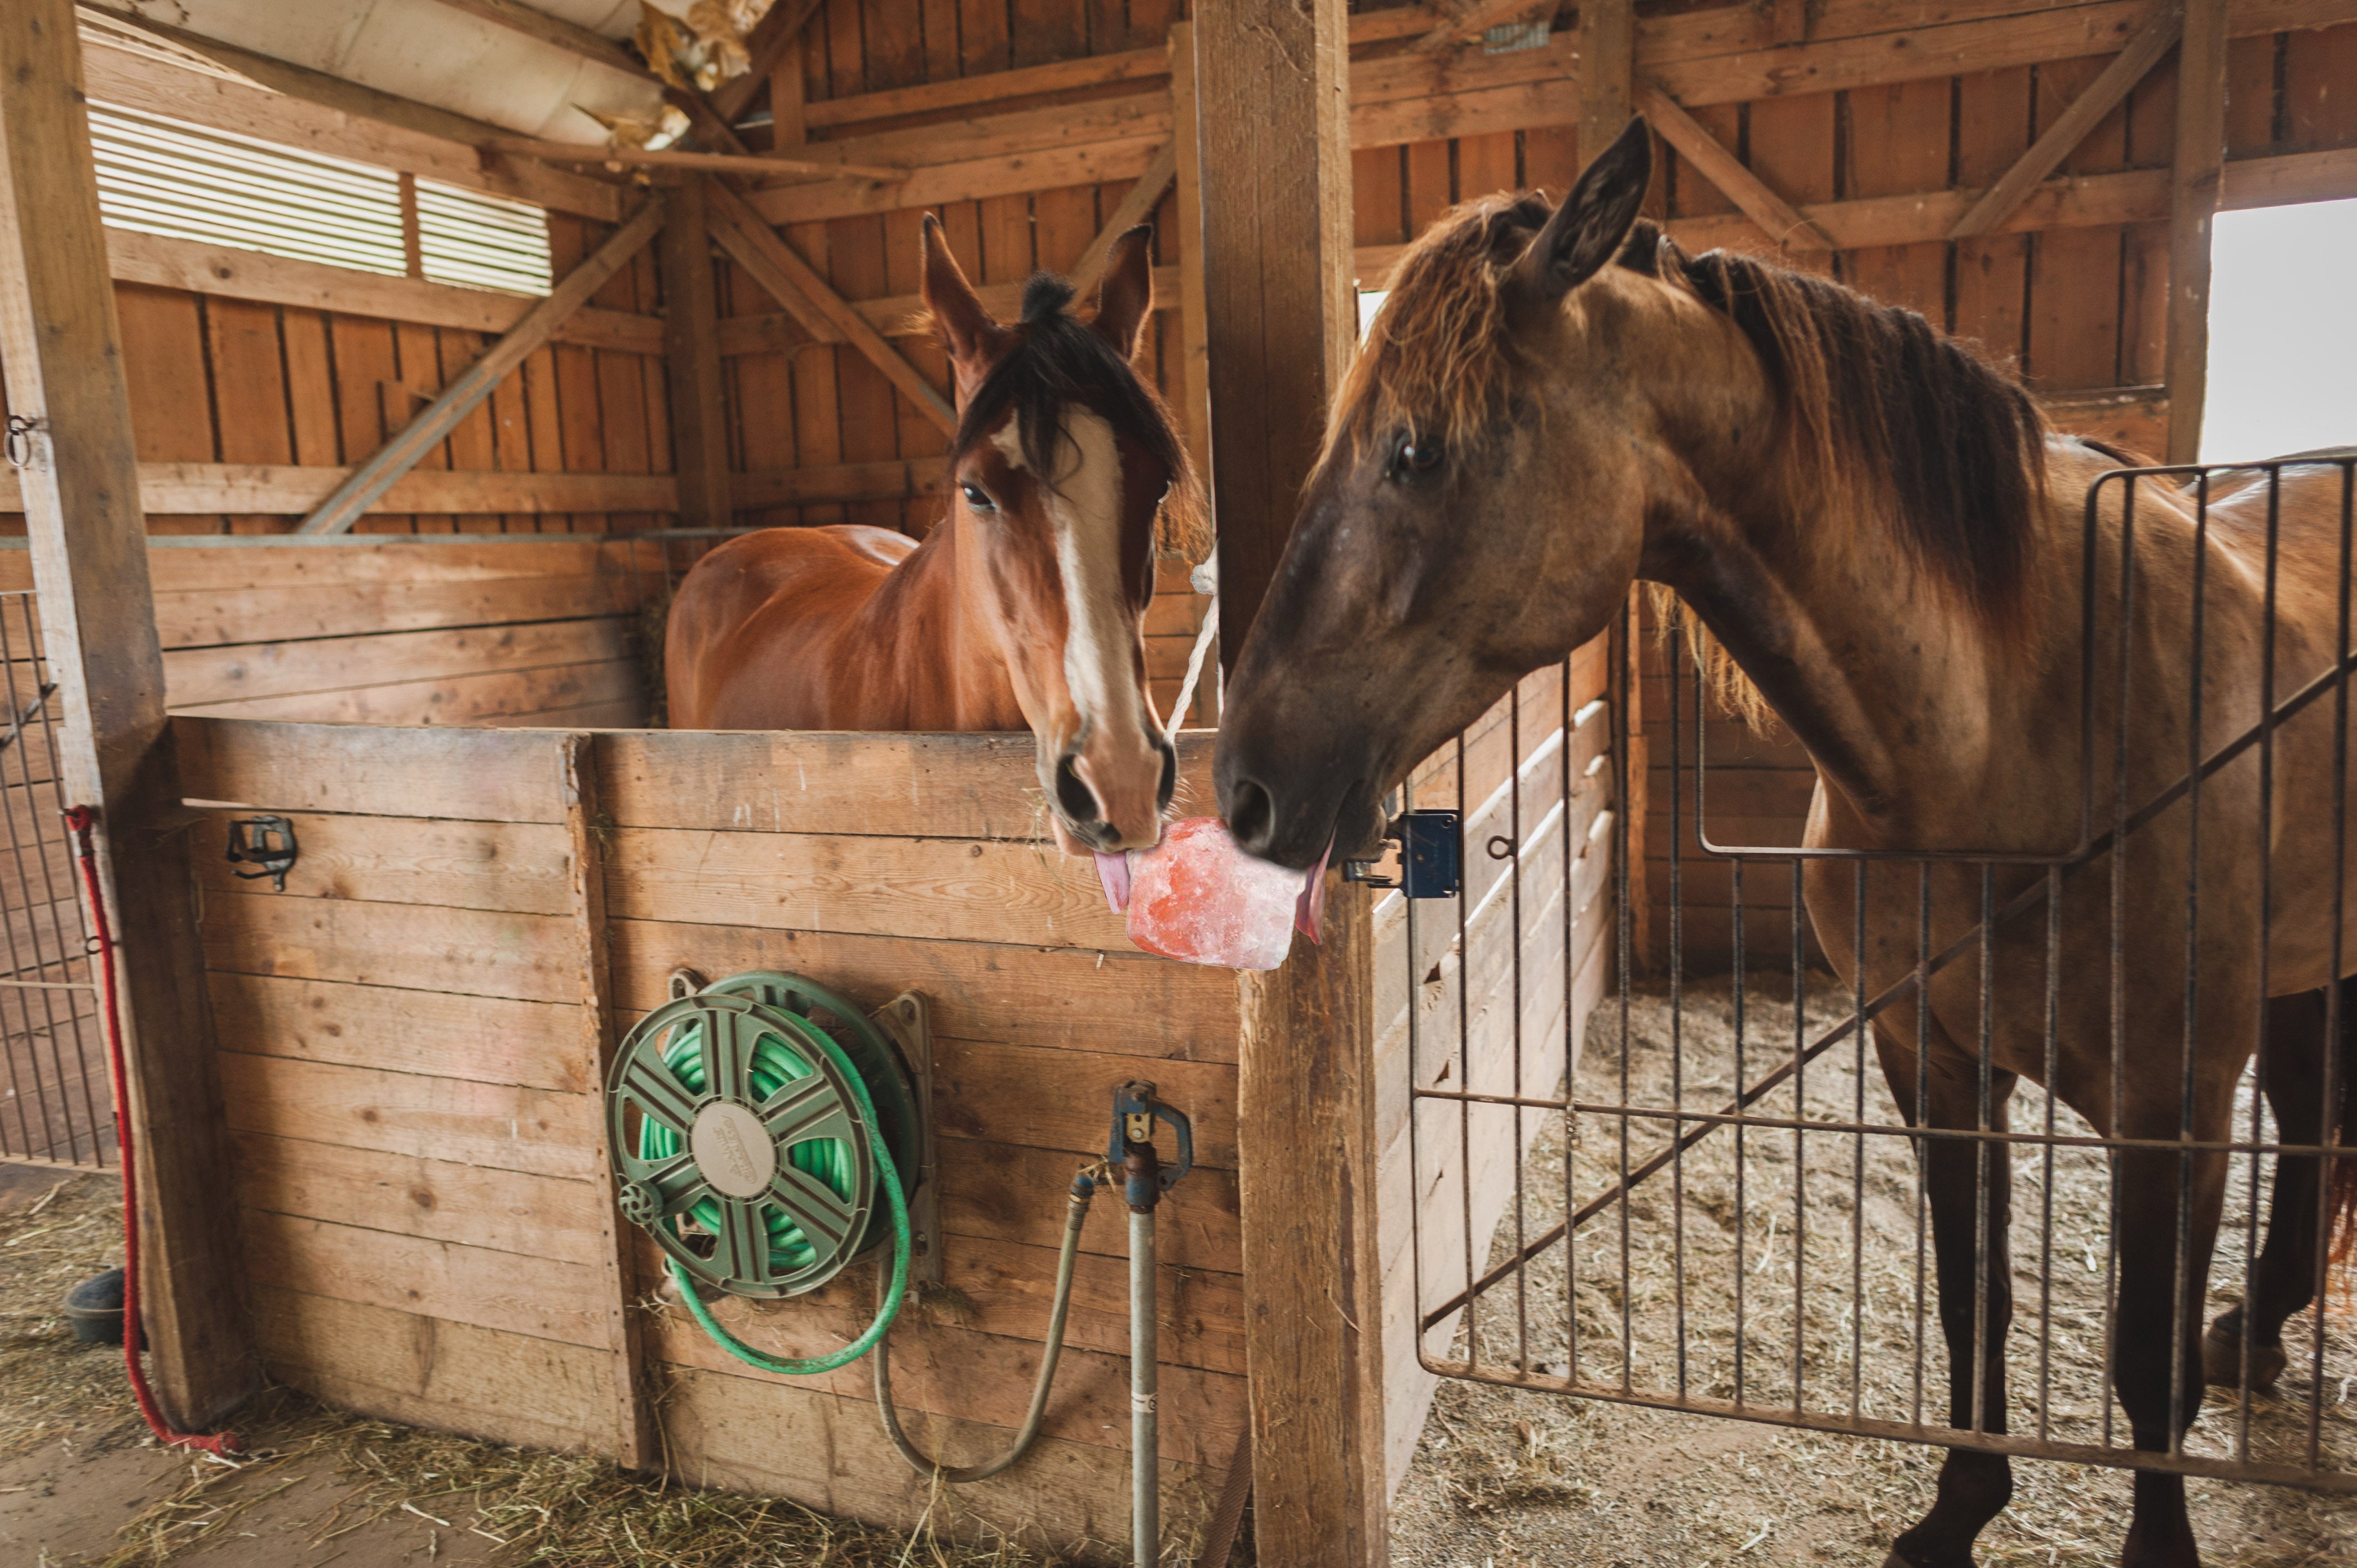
column 1109, row 800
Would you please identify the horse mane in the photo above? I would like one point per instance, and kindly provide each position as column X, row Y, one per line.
column 1059, row 359
column 1888, row 421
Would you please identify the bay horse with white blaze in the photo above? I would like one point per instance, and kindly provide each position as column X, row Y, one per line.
column 1025, row 604
column 1880, row 529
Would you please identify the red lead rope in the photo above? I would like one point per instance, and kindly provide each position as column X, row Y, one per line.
column 81, row 819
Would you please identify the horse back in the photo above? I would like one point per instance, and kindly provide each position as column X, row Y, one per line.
column 756, row 628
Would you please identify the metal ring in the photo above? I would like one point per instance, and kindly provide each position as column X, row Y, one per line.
column 1500, row 847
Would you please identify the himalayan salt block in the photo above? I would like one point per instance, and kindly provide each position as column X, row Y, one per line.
column 1197, row 898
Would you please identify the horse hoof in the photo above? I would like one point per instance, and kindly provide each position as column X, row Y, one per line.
column 2222, row 1359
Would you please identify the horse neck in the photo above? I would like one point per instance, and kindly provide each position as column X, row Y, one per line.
column 931, row 653
column 1908, row 701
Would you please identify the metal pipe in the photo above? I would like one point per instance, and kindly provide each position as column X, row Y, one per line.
column 1141, row 1180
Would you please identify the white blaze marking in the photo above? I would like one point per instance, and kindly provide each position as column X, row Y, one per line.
column 1083, row 502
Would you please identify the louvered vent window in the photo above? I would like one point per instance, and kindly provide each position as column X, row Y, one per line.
column 161, row 176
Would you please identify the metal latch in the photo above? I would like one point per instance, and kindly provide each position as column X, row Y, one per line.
column 1135, row 1112
column 266, row 843
column 1431, row 856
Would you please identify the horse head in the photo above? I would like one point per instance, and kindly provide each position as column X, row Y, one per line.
column 1066, row 471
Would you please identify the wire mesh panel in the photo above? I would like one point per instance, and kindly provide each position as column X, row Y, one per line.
column 54, row 1103
column 1758, row 1126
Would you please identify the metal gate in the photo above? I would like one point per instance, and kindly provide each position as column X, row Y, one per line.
column 54, row 1101
column 1654, row 1158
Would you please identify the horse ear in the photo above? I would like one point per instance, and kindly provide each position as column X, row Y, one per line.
column 1589, row 229
column 1125, row 291
column 966, row 330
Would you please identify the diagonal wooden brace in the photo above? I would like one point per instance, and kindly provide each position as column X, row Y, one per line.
column 422, row 435
column 1135, row 208
column 796, row 284
column 1784, row 222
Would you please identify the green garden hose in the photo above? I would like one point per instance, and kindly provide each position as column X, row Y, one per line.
column 775, row 1065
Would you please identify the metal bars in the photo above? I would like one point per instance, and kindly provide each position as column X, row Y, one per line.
column 54, row 1104
column 1777, row 1214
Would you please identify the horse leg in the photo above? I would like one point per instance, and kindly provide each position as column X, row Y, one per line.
column 2157, row 1340
column 2291, row 1076
column 1974, row 1485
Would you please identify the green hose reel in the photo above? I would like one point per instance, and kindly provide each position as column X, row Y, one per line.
column 742, row 1122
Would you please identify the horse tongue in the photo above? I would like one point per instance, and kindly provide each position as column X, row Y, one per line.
column 1113, row 872
column 1309, row 910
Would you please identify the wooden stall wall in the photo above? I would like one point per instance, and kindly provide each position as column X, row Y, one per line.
column 409, row 1039
column 428, row 631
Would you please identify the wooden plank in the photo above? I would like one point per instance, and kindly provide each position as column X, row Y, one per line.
column 445, row 1280
column 61, row 350
column 997, row 890
column 1194, row 351
column 634, row 1433
column 374, row 477
column 940, row 1369
column 481, row 1039
column 316, row 113
column 486, row 775
column 206, row 616
column 967, row 178
column 1757, row 199
column 522, row 868
column 288, row 488
column 759, row 249
column 495, row 697
column 426, row 1372
column 746, row 166
column 2195, row 167
column 828, row 1453
column 1270, row 84
column 1608, row 80
column 895, row 315
column 525, row 1215
column 1135, row 206
column 225, row 272
column 2154, row 39
column 955, row 786
column 195, row 677
column 477, row 952
column 1117, row 1002
column 985, row 1195
column 1029, row 82
column 494, row 1125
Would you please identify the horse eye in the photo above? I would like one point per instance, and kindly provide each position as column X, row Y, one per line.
column 977, row 499
column 1416, row 458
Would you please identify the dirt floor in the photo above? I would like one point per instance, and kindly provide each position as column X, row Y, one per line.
column 1507, row 1476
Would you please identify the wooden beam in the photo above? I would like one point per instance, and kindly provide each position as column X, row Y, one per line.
column 765, row 46
column 699, row 414
column 316, row 113
column 61, row 350
column 2194, row 179
column 751, row 166
column 1759, row 202
column 796, row 284
column 422, row 435
column 1194, row 352
column 573, row 39
column 896, row 480
column 2131, row 65
column 1274, row 131
column 1473, row 22
column 286, row 490
column 226, row 272
column 1608, row 72
column 636, row 1443
column 1135, row 208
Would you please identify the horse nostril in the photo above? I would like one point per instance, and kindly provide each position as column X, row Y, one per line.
column 1251, row 815
column 1169, row 786
column 1077, row 800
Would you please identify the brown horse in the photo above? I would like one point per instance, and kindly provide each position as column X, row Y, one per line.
column 1025, row 606
column 1880, row 529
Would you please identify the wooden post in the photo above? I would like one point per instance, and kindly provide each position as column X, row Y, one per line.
column 1280, row 318
column 61, row 350
column 1608, row 72
column 699, row 417
column 2200, row 156
column 588, row 828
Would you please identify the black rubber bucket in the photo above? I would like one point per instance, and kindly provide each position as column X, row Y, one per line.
column 94, row 1307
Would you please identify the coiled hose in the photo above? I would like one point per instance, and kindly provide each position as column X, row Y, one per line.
column 774, row 1065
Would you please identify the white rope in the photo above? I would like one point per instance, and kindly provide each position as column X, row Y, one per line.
column 1194, row 666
